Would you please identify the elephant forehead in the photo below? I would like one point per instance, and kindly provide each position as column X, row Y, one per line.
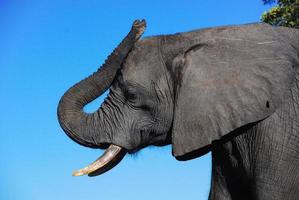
column 142, row 65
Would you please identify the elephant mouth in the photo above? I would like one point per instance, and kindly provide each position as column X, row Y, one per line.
column 111, row 157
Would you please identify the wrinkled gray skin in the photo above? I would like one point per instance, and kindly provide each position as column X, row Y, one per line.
column 230, row 90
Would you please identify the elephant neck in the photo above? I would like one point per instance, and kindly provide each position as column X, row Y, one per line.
column 231, row 175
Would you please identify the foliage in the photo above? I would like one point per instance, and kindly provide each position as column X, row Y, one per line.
column 285, row 13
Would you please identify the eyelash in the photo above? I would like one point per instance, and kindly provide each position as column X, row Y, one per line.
column 130, row 96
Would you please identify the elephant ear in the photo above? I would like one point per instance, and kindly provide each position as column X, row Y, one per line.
column 232, row 78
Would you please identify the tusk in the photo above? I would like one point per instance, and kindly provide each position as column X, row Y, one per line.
column 105, row 162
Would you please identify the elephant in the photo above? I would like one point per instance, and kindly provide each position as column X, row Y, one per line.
column 229, row 90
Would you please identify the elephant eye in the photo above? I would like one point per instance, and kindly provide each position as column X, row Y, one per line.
column 130, row 96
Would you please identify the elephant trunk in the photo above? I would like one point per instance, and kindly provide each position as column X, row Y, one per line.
column 81, row 126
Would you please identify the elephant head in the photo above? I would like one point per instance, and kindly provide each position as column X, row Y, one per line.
column 185, row 89
column 136, row 113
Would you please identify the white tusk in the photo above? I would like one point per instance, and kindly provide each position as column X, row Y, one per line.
column 109, row 155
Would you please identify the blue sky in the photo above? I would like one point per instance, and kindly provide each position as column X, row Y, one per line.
column 47, row 46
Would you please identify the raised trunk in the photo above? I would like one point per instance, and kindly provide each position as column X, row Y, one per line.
column 81, row 126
